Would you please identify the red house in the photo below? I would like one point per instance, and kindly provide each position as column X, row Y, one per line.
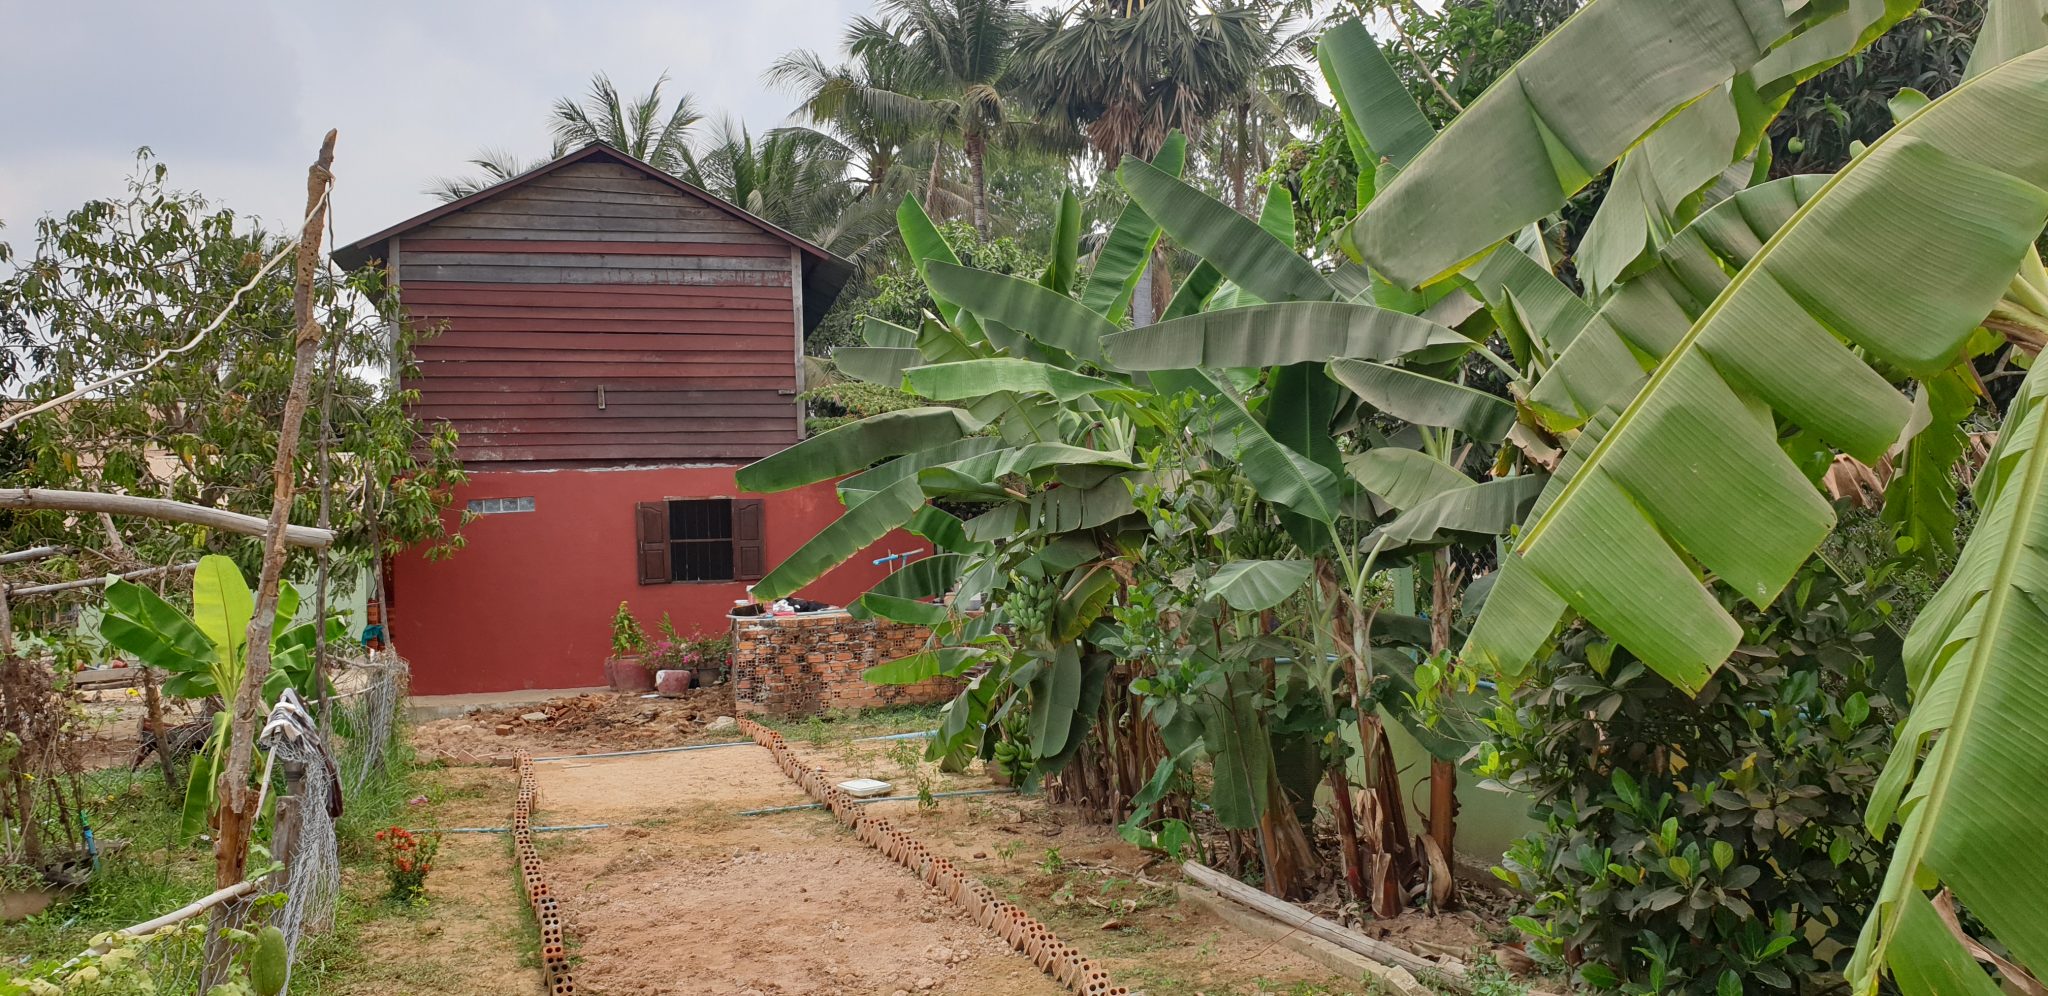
column 615, row 343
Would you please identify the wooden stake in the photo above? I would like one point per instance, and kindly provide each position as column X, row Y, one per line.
column 155, row 702
column 235, row 818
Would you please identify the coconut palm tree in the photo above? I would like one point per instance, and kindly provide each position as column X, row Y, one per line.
column 795, row 178
column 643, row 128
column 648, row 129
column 959, row 51
column 496, row 165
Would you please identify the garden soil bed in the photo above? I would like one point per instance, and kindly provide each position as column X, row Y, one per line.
column 580, row 724
column 473, row 937
column 1085, row 882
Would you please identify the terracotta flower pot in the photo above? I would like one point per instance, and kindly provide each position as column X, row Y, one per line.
column 624, row 674
column 673, row 683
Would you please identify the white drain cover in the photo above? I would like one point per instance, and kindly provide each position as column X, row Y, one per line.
column 863, row 788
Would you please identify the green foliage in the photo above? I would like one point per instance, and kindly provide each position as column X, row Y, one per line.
column 1685, row 837
column 627, row 635
column 897, row 294
column 1851, row 103
column 110, row 284
column 205, row 654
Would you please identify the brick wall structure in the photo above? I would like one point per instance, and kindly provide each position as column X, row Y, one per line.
column 810, row 664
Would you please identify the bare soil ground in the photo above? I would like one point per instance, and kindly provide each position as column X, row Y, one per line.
column 474, row 936
column 579, row 724
column 684, row 896
column 694, row 899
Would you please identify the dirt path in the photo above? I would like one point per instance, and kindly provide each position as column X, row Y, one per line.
column 474, row 937
column 691, row 898
column 694, row 899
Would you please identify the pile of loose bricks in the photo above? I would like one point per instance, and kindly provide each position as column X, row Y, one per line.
column 810, row 663
column 547, row 912
column 1052, row 955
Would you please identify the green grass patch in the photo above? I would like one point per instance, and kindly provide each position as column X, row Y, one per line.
column 840, row 726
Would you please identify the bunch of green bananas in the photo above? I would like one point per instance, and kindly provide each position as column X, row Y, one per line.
column 1029, row 602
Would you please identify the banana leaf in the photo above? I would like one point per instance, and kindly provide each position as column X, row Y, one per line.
column 2012, row 28
column 1371, row 97
column 1055, row 691
column 1242, row 251
column 1920, row 500
column 876, row 332
column 855, row 447
column 1607, row 360
column 1515, row 286
column 1977, row 661
column 858, row 526
column 1121, row 261
column 1588, row 92
column 140, row 623
column 921, row 239
column 1257, row 585
column 882, row 365
column 1278, row 473
column 1064, row 258
column 1403, row 478
column 222, row 606
column 969, row 379
column 1048, row 317
column 859, row 487
column 924, row 666
column 1648, row 197
column 1269, row 335
column 1301, row 401
column 1475, row 511
column 1420, row 399
column 1691, row 472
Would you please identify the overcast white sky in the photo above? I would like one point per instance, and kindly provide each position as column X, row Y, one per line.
column 235, row 96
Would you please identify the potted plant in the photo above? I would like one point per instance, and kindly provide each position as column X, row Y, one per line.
column 623, row 670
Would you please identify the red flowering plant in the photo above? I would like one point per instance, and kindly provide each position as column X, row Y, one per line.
column 408, row 857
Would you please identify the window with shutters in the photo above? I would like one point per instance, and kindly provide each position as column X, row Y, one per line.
column 700, row 539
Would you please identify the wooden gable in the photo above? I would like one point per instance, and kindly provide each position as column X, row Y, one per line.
column 595, row 312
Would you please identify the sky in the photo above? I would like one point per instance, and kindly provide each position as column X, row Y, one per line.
column 235, row 96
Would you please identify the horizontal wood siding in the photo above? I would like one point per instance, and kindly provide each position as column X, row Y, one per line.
column 598, row 283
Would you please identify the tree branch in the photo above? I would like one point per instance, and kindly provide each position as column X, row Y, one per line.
column 160, row 508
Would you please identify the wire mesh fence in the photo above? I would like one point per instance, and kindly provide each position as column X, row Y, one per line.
column 186, row 951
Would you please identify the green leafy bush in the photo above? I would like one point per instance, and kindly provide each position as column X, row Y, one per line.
column 1711, row 844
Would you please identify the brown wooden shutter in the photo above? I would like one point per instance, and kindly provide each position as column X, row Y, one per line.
column 650, row 523
column 749, row 551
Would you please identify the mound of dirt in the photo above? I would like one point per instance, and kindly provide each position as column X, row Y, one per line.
column 581, row 724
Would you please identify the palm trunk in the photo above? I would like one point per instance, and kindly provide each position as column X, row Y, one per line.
column 931, row 183
column 977, row 161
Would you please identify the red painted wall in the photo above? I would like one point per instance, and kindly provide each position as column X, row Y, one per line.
column 528, row 602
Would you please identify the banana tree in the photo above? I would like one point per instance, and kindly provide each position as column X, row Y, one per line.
column 1727, row 342
column 203, row 653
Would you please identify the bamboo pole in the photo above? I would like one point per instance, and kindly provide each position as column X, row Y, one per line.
column 159, row 508
column 32, row 553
